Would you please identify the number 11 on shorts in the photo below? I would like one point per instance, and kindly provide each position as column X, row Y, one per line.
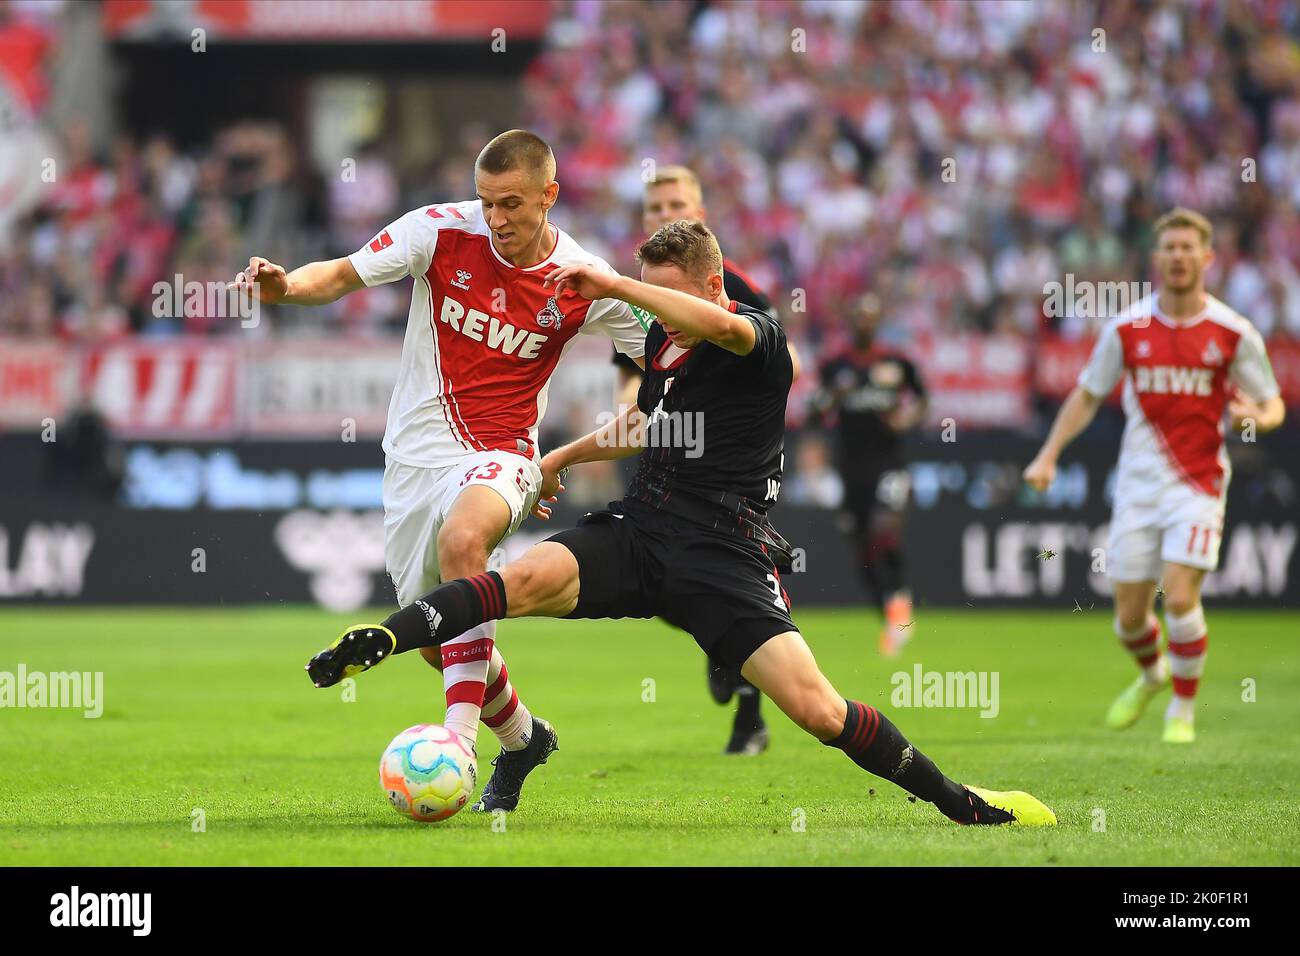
column 1204, row 532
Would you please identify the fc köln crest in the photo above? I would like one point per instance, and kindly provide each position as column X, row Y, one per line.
column 1212, row 354
column 551, row 316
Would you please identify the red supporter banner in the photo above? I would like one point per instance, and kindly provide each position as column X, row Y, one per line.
column 979, row 381
column 331, row 20
column 211, row 388
column 177, row 387
column 33, row 382
column 1285, row 356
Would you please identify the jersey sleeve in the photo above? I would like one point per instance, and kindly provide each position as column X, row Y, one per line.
column 1251, row 368
column 1102, row 373
column 615, row 318
column 402, row 248
column 769, row 338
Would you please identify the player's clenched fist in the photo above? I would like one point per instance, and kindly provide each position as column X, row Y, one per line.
column 1040, row 473
column 266, row 281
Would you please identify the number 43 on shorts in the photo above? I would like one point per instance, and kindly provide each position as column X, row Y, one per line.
column 489, row 471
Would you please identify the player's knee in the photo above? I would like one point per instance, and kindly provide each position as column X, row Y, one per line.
column 824, row 722
column 1131, row 618
column 461, row 551
column 1181, row 601
column 1131, row 611
column 814, row 712
column 527, row 587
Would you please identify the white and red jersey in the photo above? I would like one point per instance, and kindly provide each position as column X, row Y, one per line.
column 1178, row 379
column 483, row 336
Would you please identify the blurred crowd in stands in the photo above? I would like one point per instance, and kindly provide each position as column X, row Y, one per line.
column 954, row 157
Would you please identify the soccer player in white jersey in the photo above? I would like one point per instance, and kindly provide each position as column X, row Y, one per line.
column 482, row 339
column 1185, row 359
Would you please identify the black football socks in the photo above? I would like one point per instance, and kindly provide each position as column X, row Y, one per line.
column 448, row 611
column 877, row 746
column 747, row 710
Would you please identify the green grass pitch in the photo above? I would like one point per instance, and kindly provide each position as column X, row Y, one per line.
column 209, row 709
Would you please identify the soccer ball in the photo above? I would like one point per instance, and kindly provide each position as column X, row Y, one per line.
column 427, row 773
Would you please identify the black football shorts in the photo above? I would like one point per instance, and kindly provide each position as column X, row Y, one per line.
column 722, row 589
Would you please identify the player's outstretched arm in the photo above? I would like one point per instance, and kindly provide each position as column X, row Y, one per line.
column 623, row 436
column 1075, row 415
column 677, row 310
column 316, row 283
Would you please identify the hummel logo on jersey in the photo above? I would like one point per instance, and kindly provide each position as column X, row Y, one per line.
column 1168, row 380
column 488, row 329
column 551, row 315
column 381, row 242
column 1212, row 354
column 462, row 277
column 1143, row 349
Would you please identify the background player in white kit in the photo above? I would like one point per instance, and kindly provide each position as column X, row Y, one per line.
column 1184, row 358
column 482, row 339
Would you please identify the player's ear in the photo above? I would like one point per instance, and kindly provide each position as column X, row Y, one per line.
column 550, row 193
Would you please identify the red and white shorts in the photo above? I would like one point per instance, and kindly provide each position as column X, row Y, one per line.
column 417, row 501
column 1181, row 526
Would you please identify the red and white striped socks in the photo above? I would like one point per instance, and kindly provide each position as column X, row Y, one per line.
column 464, row 678
column 503, row 711
column 477, row 686
column 1144, row 645
column 1187, row 644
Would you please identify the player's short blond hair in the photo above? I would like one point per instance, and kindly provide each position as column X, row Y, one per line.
column 688, row 244
column 677, row 174
column 517, row 149
column 1181, row 217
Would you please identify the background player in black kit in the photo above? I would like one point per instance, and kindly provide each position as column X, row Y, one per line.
column 674, row 193
column 690, row 541
column 875, row 396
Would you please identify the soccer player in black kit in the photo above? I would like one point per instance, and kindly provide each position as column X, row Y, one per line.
column 874, row 396
column 674, row 193
column 690, row 541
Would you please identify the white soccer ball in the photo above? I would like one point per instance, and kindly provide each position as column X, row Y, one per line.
column 428, row 773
